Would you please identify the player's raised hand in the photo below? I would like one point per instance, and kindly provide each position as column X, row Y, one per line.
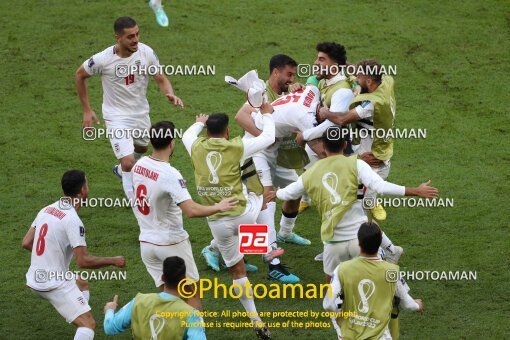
column 174, row 99
column 201, row 118
column 420, row 304
column 227, row 204
column 296, row 87
column 119, row 261
column 112, row 304
column 427, row 191
column 88, row 118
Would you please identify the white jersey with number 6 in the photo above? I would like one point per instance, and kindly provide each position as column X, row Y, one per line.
column 124, row 92
column 159, row 188
column 57, row 232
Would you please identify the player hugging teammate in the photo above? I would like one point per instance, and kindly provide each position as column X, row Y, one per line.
column 288, row 127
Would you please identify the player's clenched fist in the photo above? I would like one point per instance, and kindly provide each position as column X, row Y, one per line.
column 119, row 261
column 112, row 304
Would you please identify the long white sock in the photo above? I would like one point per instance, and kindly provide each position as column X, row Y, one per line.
column 155, row 3
column 214, row 246
column 266, row 216
column 306, row 198
column 84, row 333
column 248, row 303
column 386, row 244
column 119, row 169
column 127, row 184
column 86, row 294
column 287, row 225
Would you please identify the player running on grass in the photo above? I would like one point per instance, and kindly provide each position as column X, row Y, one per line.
column 125, row 106
column 57, row 234
column 162, row 191
column 217, row 161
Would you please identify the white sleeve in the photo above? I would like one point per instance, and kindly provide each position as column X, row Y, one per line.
column 190, row 136
column 34, row 224
column 332, row 299
column 176, row 187
column 318, row 131
column 262, row 141
column 341, row 100
column 94, row 65
column 365, row 109
column 406, row 301
column 373, row 181
column 292, row 191
column 76, row 232
column 152, row 57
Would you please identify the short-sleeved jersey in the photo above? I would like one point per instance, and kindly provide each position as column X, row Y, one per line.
column 293, row 111
column 159, row 188
column 57, row 232
column 124, row 92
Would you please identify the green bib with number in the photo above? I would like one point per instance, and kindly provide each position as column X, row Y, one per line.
column 218, row 172
column 332, row 184
column 154, row 317
column 368, row 296
column 383, row 99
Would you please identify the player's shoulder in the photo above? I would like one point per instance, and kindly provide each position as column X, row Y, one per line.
column 146, row 49
column 109, row 52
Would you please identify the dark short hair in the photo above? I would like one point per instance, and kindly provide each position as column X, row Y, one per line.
column 217, row 123
column 334, row 138
column 72, row 182
column 334, row 51
column 369, row 237
column 174, row 271
column 162, row 134
column 123, row 22
column 370, row 68
column 279, row 61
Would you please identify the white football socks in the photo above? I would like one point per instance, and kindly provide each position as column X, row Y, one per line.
column 84, row 333
column 306, row 198
column 155, row 3
column 266, row 216
column 386, row 244
column 248, row 303
column 287, row 225
column 127, row 184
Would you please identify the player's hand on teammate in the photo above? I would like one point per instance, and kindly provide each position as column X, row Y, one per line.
column 227, row 204
column 88, row 118
column 323, row 113
column 420, row 304
column 300, row 140
column 356, row 90
column 266, row 108
column 269, row 196
column 112, row 304
column 201, row 118
column 296, row 87
column 371, row 160
column 427, row 191
column 119, row 261
column 175, row 100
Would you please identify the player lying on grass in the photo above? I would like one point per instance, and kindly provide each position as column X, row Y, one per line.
column 125, row 106
column 335, row 185
column 163, row 197
column 366, row 289
column 157, row 315
column 217, row 161
column 57, row 234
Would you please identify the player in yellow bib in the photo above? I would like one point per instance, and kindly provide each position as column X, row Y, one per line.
column 365, row 290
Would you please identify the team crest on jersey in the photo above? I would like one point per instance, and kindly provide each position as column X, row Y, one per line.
column 182, row 182
column 117, row 147
column 82, row 230
column 91, row 62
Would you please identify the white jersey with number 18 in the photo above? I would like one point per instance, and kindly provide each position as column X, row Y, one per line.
column 57, row 233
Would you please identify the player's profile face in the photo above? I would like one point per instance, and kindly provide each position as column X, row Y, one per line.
column 129, row 39
column 286, row 76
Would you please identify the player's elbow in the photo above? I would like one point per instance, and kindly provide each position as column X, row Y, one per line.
column 82, row 262
column 27, row 244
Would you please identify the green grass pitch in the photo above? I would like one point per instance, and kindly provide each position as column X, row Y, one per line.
column 452, row 61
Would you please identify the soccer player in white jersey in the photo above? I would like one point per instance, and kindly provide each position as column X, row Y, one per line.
column 295, row 111
column 55, row 235
column 161, row 194
column 125, row 106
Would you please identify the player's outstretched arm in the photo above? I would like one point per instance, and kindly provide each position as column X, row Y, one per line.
column 266, row 138
column 243, row 118
column 192, row 209
column 424, row 191
column 28, row 240
column 85, row 260
column 191, row 134
column 166, row 87
column 339, row 118
column 81, row 87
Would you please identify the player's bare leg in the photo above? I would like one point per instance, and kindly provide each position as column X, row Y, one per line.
column 287, row 223
column 243, row 288
column 83, row 285
column 86, row 325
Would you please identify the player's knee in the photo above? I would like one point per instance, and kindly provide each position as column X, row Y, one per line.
column 85, row 320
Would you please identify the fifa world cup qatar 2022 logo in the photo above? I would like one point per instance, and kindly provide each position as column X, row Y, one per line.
column 213, row 160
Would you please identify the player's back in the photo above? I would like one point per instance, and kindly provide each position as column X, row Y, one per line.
column 57, row 231
column 159, row 187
